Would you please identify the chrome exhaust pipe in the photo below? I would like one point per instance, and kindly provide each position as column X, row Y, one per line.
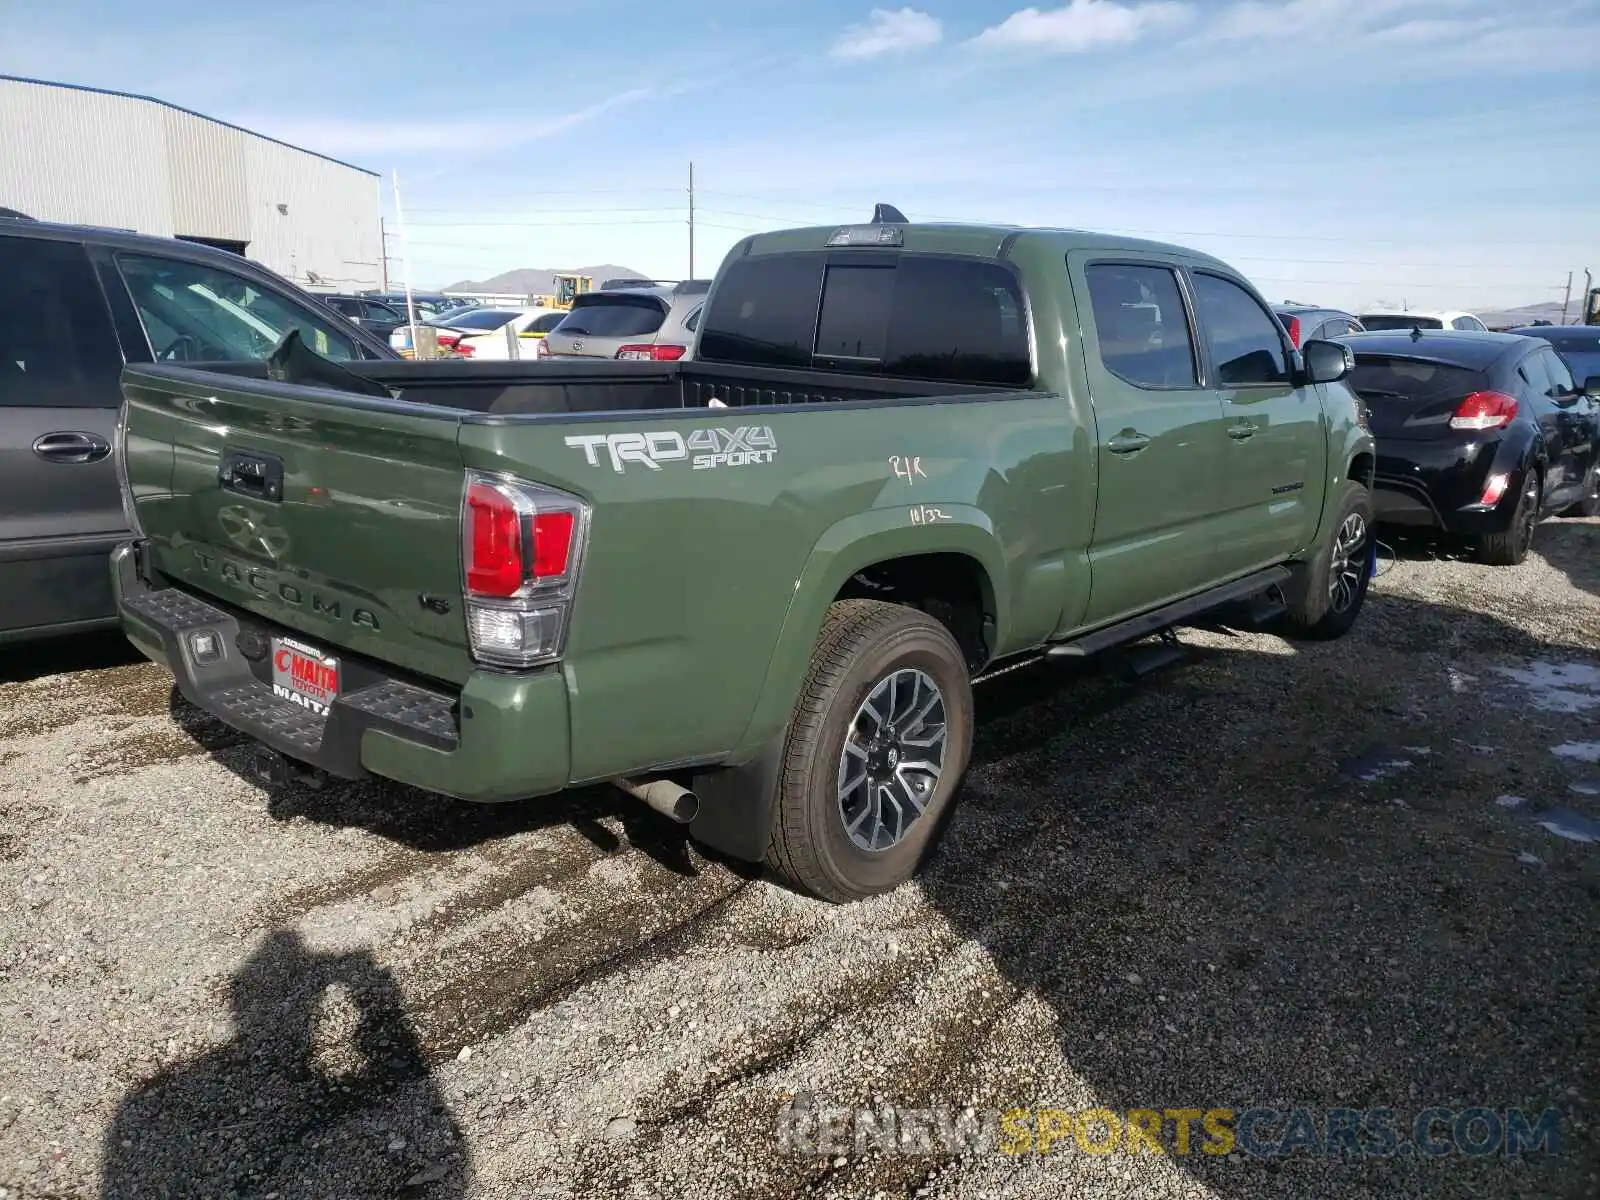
column 667, row 798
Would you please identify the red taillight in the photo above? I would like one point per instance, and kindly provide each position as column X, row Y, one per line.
column 494, row 543
column 521, row 545
column 552, row 544
column 655, row 352
column 542, row 349
column 1294, row 332
column 463, row 350
column 1484, row 410
column 448, row 340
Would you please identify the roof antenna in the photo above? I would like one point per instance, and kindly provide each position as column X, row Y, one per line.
column 888, row 214
column 1416, row 333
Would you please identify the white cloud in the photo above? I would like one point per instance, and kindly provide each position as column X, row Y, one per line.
column 889, row 31
column 355, row 139
column 1084, row 25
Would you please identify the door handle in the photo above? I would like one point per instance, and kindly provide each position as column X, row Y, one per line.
column 1241, row 431
column 1129, row 441
column 71, row 447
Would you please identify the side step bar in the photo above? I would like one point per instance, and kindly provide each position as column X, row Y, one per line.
column 1172, row 614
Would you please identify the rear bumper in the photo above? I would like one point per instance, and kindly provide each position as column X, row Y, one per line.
column 1428, row 485
column 501, row 737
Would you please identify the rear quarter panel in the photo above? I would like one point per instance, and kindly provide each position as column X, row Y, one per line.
column 703, row 590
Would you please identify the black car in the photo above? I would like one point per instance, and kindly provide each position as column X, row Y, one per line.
column 1478, row 434
column 1578, row 346
column 376, row 317
column 1310, row 322
column 76, row 304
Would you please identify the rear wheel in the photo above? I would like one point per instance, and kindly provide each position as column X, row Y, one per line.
column 876, row 749
column 1510, row 547
column 1339, row 576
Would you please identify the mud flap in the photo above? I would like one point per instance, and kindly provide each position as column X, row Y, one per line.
column 737, row 803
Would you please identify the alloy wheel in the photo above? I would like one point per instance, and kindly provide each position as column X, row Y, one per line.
column 1349, row 563
column 893, row 756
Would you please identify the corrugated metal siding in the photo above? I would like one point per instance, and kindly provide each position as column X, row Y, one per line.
column 96, row 159
column 84, row 158
column 328, row 223
column 206, row 172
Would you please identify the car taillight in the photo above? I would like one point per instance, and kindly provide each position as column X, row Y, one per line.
column 447, row 341
column 656, row 352
column 521, row 547
column 463, row 350
column 541, row 349
column 1484, row 410
column 1294, row 332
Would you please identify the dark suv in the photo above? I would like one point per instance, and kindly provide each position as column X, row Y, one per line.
column 376, row 317
column 76, row 304
column 1309, row 322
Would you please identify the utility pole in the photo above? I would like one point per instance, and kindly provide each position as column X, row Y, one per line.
column 1567, row 299
column 691, row 220
column 383, row 239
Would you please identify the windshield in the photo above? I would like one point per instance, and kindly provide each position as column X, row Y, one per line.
column 478, row 318
column 1376, row 322
column 614, row 315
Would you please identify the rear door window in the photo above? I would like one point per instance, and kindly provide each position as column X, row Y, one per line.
column 57, row 347
column 1560, row 376
column 1246, row 343
column 1141, row 326
column 614, row 314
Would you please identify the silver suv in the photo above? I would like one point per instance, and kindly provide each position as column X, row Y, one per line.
column 654, row 323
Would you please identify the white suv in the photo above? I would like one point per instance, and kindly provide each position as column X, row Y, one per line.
column 1411, row 319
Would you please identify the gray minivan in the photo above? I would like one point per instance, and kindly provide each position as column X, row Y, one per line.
column 650, row 323
column 76, row 304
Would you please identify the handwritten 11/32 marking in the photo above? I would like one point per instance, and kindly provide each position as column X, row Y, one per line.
column 924, row 514
column 907, row 467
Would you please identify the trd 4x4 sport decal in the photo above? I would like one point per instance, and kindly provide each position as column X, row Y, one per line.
column 743, row 446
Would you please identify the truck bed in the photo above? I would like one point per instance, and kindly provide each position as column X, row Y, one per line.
column 567, row 388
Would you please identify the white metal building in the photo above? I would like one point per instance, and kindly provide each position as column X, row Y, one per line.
column 86, row 156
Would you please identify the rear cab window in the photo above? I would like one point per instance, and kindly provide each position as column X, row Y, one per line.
column 57, row 346
column 614, row 314
column 911, row 316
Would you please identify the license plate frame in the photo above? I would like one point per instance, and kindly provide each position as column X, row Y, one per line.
column 304, row 675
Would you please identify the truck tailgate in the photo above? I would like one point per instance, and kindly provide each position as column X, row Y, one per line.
column 337, row 516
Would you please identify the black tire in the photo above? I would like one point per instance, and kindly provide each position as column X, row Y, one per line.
column 1589, row 506
column 1335, row 587
column 1509, row 547
column 863, row 644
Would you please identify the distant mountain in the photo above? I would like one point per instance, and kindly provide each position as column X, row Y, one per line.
column 535, row 281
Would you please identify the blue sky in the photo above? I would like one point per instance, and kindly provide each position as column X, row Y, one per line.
column 1440, row 152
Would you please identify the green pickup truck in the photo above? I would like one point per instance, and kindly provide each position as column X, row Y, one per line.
column 753, row 589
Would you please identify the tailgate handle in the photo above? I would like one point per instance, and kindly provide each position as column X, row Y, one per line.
column 251, row 473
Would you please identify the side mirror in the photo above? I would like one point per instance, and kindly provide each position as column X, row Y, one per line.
column 1327, row 362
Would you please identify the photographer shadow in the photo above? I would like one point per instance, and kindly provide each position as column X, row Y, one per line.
column 274, row 1111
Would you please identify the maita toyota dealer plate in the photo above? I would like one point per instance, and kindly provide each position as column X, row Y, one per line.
column 304, row 675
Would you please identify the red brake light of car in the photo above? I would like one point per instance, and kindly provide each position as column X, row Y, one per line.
column 493, row 543
column 541, row 349
column 463, row 351
column 655, row 352
column 1484, row 410
column 1294, row 332
column 521, row 545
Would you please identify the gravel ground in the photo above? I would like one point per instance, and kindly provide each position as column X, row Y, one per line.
column 1343, row 875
